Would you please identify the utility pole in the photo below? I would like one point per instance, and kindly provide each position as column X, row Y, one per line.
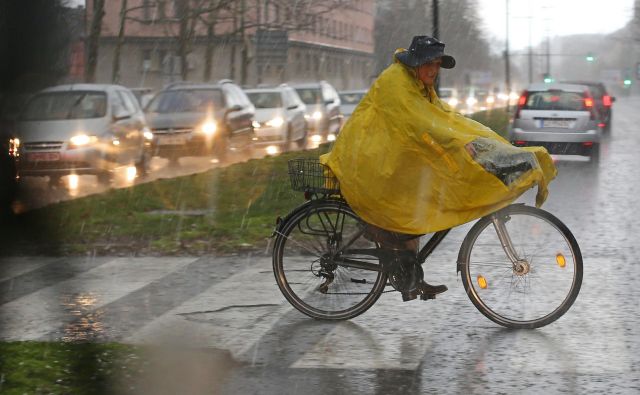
column 436, row 34
column 507, row 70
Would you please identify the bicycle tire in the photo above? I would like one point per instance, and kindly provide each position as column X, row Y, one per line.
column 302, row 242
column 553, row 278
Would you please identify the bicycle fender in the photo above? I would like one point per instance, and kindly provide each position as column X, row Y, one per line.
column 304, row 206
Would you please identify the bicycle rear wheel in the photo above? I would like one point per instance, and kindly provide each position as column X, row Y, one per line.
column 308, row 276
column 534, row 294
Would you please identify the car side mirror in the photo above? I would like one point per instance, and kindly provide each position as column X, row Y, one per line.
column 330, row 101
column 234, row 108
column 292, row 107
column 121, row 114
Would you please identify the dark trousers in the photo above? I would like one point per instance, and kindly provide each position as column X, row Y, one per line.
column 392, row 240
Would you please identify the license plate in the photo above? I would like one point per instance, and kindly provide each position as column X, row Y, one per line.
column 556, row 123
column 43, row 156
column 172, row 140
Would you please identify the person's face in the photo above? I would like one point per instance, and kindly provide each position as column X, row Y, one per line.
column 428, row 72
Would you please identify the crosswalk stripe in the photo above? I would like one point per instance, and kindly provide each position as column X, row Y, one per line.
column 33, row 316
column 27, row 275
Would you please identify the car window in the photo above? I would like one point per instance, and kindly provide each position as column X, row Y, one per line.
column 351, row 98
column 555, row 100
column 309, row 95
column 66, row 105
column 184, row 100
column 265, row 99
column 129, row 105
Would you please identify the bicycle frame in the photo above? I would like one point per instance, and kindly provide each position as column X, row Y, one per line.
column 425, row 251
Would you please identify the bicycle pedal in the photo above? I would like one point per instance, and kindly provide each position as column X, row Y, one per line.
column 427, row 296
column 408, row 296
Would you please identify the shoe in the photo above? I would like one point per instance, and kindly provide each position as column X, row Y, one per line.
column 424, row 288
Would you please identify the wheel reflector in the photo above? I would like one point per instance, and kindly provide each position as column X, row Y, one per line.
column 482, row 282
column 560, row 260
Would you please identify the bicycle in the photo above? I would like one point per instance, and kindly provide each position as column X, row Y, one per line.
column 520, row 266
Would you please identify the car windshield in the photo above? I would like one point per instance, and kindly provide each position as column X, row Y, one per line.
column 194, row 100
column 309, row 95
column 351, row 98
column 265, row 99
column 66, row 105
column 555, row 100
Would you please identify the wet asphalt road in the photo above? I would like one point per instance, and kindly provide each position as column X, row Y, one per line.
column 227, row 329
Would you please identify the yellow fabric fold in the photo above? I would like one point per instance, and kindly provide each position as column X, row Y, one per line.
column 405, row 163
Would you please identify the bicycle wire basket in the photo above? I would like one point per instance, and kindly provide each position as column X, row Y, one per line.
column 309, row 175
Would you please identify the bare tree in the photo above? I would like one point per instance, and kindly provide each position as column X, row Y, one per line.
column 94, row 39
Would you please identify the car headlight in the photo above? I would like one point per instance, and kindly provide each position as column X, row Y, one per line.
column 148, row 135
column 275, row 122
column 209, row 127
column 453, row 102
column 14, row 147
column 317, row 115
column 491, row 100
column 255, row 124
column 471, row 101
column 82, row 140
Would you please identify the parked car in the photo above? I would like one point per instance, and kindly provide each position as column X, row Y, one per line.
column 82, row 129
column 603, row 102
column 349, row 100
column 280, row 118
column 560, row 117
column 200, row 120
column 449, row 96
column 323, row 109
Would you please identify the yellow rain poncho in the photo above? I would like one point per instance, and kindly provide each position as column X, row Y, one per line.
column 408, row 163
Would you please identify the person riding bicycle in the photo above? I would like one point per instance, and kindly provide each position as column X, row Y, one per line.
column 409, row 164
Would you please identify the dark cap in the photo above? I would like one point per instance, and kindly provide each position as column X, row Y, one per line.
column 424, row 49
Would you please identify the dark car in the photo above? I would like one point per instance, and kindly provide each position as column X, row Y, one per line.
column 200, row 120
column 603, row 102
column 323, row 109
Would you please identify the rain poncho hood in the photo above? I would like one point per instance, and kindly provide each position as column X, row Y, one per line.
column 408, row 163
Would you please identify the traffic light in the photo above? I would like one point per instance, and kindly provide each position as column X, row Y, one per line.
column 627, row 82
column 590, row 57
column 547, row 78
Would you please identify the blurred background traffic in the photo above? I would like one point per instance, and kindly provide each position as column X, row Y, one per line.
column 102, row 94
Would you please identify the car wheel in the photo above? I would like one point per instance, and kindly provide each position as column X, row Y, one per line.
column 221, row 149
column 595, row 155
column 55, row 181
column 142, row 166
column 105, row 177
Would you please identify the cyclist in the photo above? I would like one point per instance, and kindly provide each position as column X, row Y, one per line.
column 408, row 164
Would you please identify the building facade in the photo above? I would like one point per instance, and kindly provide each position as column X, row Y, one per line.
column 250, row 41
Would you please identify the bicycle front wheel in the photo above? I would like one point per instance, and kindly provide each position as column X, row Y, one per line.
column 538, row 290
column 306, row 272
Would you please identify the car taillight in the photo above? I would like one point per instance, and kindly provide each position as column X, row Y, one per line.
column 606, row 100
column 588, row 106
column 521, row 102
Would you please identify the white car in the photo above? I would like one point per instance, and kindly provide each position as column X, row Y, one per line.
column 82, row 129
column 279, row 119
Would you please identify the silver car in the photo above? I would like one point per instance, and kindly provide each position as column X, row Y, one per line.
column 82, row 129
column 279, row 120
column 560, row 117
column 349, row 100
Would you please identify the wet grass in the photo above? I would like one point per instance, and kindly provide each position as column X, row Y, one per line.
column 496, row 119
column 226, row 210
column 222, row 210
column 67, row 368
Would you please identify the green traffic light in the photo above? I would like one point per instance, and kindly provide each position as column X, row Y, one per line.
column 627, row 82
column 590, row 57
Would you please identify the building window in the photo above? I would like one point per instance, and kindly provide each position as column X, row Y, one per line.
column 162, row 9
